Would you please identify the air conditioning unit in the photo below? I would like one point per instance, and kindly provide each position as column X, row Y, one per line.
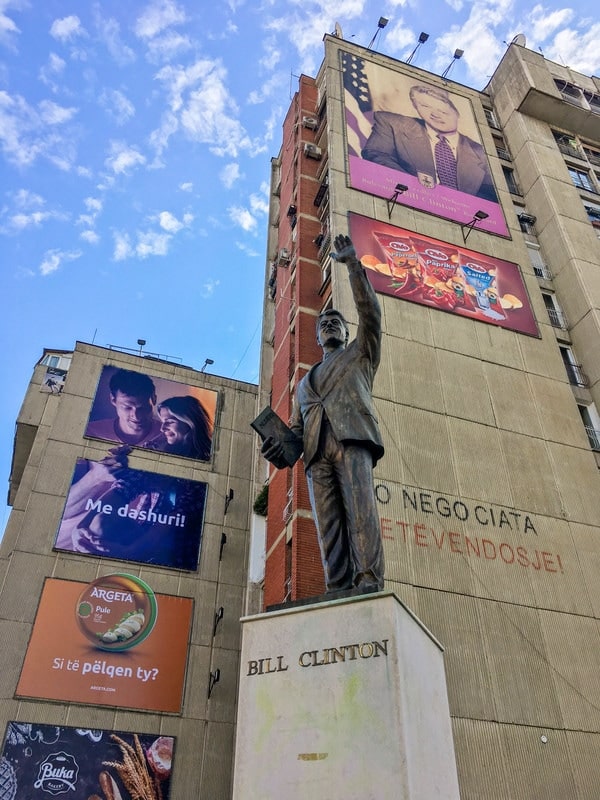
column 312, row 151
column 312, row 123
column 284, row 257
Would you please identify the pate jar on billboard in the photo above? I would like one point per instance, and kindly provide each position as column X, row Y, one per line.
column 116, row 612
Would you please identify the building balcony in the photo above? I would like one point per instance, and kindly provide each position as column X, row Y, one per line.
column 593, row 437
column 557, row 318
column 542, row 271
column 576, row 375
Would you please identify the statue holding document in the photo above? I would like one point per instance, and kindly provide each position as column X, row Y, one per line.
column 335, row 425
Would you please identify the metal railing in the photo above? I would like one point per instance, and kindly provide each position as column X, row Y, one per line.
column 542, row 271
column 593, row 437
column 557, row 318
column 576, row 375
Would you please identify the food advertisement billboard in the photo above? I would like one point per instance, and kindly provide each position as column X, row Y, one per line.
column 45, row 761
column 404, row 131
column 141, row 410
column 113, row 511
column 112, row 642
column 402, row 263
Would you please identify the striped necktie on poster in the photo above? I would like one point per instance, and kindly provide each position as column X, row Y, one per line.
column 445, row 163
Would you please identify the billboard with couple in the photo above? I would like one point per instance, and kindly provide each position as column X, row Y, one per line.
column 142, row 410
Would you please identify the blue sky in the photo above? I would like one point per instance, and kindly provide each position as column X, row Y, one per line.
column 135, row 146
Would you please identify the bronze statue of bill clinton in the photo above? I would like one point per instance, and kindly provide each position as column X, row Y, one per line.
column 334, row 415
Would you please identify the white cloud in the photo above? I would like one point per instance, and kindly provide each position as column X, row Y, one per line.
column 21, row 221
column 89, row 236
column 123, row 158
column 53, row 68
column 168, row 222
column 93, row 204
column 578, row 49
column 67, row 28
column 53, row 114
column 242, row 217
column 159, row 15
column 259, row 204
column 208, row 288
column 203, row 108
column 165, row 47
column 26, row 135
column 54, row 258
column 152, row 243
column 399, row 38
column 542, row 22
column 186, row 187
column 123, row 247
column 117, row 105
column 148, row 243
column 8, row 28
column 230, row 174
column 26, row 199
column 109, row 32
column 477, row 36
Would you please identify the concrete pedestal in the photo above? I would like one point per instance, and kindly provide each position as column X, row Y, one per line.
column 344, row 699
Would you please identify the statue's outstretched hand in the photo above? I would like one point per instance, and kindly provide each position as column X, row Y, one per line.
column 344, row 249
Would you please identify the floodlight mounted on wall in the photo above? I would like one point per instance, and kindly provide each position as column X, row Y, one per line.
column 400, row 189
column 478, row 217
column 457, row 54
column 380, row 26
column 422, row 39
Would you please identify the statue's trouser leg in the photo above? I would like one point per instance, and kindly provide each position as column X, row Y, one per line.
column 362, row 516
column 340, row 483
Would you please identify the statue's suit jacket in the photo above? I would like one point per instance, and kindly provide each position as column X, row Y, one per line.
column 346, row 382
column 402, row 143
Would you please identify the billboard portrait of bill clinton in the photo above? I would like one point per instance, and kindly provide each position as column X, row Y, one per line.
column 140, row 410
column 403, row 129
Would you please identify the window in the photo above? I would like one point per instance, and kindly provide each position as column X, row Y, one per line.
column 511, row 181
column 591, row 423
column 539, row 267
column 501, row 148
column 526, row 222
column 593, row 213
column 491, row 118
column 593, row 156
column 576, row 375
column 581, row 179
column 555, row 314
column 567, row 144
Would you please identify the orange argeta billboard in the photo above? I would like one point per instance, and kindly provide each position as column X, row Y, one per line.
column 112, row 642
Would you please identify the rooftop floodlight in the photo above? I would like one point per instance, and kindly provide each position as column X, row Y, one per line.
column 478, row 217
column 422, row 39
column 457, row 54
column 207, row 363
column 380, row 26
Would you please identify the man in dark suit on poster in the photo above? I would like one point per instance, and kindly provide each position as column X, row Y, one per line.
column 430, row 146
column 335, row 417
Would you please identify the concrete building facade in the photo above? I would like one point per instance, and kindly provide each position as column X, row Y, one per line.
column 487, row 393
column 195, row 642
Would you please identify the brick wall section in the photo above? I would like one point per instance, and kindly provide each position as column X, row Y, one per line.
column 295, row 343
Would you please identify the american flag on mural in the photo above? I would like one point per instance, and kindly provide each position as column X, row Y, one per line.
column 359, row 110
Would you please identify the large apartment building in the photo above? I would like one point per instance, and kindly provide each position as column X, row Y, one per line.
column 489, row 386
column 123, row 578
